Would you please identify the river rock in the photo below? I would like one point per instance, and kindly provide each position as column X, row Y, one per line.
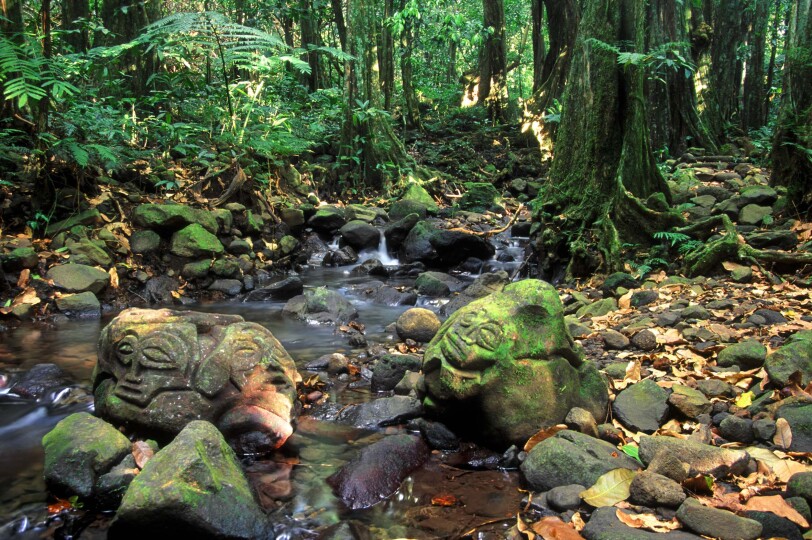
column 231, row 287
column 570, row 457
column 619, row 279
column 416, row 193
column 652, row 489
column 402, row 209
column 360, row 235
column 82, row 305
column 294, row 218
column 19, row 258
column 753, row 214
column 642, row 406
column 327, row 219
column 443, row 248
column 799, row 417
column 419, row 324
column 160, row 369
column 505, row 366
column 284, row 289
column 748, row 354
column 794, row 356
column 483, row 285
column 367, row 214
column 614, row 340
column 36, row 382
column 195, row 241
column 77, row 278
column 395, row 233
column 479, row 196
column 88, row 217
column 173, row 217
column 737, row 429
column 145, row 241
column 86, row 251
column 689, row 401
column 78, row 450
column 605, row 525
column 381, row 412
column 701, row 458
column 717, row 523
column 763, row 195
column 437, row 284
column 194, row 487
column 390, row 369
column 377, row 471
column 340, row 257
column 776, row 239
column 774, row 526
column 800, row 485
column 321, row 305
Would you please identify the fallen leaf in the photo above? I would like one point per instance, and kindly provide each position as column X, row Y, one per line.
column 22, row 281
column 633, row 371
column 625, row 301
column 113, row 278
column 783, row 434
column 577, row 522
column 699, row 484
column 142, row 453
column 59, row 506
column 778, row 506
column 610, row 489
column 554, row 528
column 745, row 400
column 782, row 468
column 444, row 499
column 543, row 434
column 647, row 521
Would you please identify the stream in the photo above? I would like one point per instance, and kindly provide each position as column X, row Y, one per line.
column 291, row 484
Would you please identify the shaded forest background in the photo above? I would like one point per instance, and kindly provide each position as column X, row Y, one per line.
column 335, row 97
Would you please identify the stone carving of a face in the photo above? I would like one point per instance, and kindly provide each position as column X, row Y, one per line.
column 160, row 369
column 507, row 365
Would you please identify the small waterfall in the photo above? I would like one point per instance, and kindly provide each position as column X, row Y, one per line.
column 382, row 253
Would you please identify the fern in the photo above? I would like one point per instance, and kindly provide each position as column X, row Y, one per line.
column 674, row 238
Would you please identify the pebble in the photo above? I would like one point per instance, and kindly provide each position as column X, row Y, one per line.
column 564, row 498
column 652, row 489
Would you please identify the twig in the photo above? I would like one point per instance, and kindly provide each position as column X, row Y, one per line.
column 492, row 232
column 489, row 522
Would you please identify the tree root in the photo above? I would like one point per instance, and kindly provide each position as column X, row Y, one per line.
column 731, row 246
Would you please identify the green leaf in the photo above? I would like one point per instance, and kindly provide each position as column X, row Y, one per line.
column 610, row 489
column 631, row 451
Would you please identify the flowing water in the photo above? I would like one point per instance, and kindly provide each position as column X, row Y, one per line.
column 291, row 485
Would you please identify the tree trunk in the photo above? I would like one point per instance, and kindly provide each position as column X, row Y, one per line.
column 406, row 69
column 724, row 77
column 125, row 19
column 603, row 165
column 493, row 92
column 778, row 16
column 539, row 51
column 47, row 52
column 310, row 36
column 11, row 26
column 387, row 54
column 754, row 115
column 792, row 146
column 671, row 94
column 75, row 30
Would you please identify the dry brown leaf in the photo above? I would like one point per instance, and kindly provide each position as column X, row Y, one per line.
column 647, row 521
column 554, row 528
column 778, row 506
column 633, row 371
column 113, row 278
column 543, row 434
column 142, row 453
column 782, row 468
column 577, row 522
column 783, row 434
column 22, row 281
column 625, row 301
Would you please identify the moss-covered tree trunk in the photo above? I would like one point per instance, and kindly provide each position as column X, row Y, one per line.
column 493, row 92
column 603, row 167
column 754, row 115
column 539, row 50
column 671, row 94
column 407, row 70
column 309, row 24
column 125, row 19
column 792, row 146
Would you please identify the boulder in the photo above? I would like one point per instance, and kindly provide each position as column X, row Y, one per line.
column 689, row 401
column 717, row 523
column 395, row 233
column 377, row 471
column 793, row 357
column 78, row 450
column 642, row 406
column 37, row 381
column 437, row 284
column 363, row 213
column 479, row 196
column 19, row 258
column 194, row 487
column 701, row 458
column 443, row 248
column 327, row 219
column 82, row 305
column 483, row 285
column 360, row 235
column 419, row 324
column 753, row 214
column 748, row 354
column 401, row 210
column 195, row 241
column 570, row 457
column 173, row 217
column 652, row 489
column 320, row 305
column 390, row 369
column 77, row 278
column 86, row 251
column 284, row 289
column 145, row 241
column 416, row 193
column 160, row 369
column 381, row 412
column 505, row 366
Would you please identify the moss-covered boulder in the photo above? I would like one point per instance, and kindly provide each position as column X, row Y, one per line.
column 195, row 241
column 86, row 251
column 19, row 258
column 505, row 366
column 78, row 451
column 77, row 278
column 792, row 359
column 416, row 193
column 172, row 217
column 748, row 354
column 442, row 248
column 327, row 219
column 401, row 209
column 360, row 235
column 320, row 305
column 145, row 241
column 479, row 196
column 194, row 487
column 84, row 305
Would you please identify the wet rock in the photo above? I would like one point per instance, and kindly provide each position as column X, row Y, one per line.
column 322, row 306
column 437, row 284
column 795, row 356
column 83, row 305
column 381, row 412
column 581, row 420
column 159, row 289
column 342, row 257
column 717, row 523
column 192, row 487
column 78, row 450
column 370, row 267
column 36, row 382
column 145, row 241
column 160, row 369
column 800, row 485
column 395, row 233
column 173, row 217
column 570, row 457
column 284, row 289
column 748, row 354
column 773, row 526
column 437, row 435
column 799, row 417
column 702, row 458
column 504, row 365
column 734, row 428
column 563, row 498
column 776, row 239
column 327, row 219
column 642, row 406
column 653, row 490
column 483, row 285
column 111, row 486
column 360, row 235
column 645, row 340
column 194, row 241
column 381, row 293
column 614, row 340
column 689, row 401
column 753, row 214
column 77, row 278
column 390, row 369
column 605, row 525
column 443, row 248
column 618, row 279
column 231, row 287
column 19, row 258
column 378, row 470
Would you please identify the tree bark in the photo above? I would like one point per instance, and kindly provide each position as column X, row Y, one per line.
column 387, row 54
column 310, row 36
column 407, row 72
column 539, row 50
column 75, row 30
column 792, row 145
column 125, row 19
column 603, row 166
column 754, row 114
column 493, row 92
column 779, row 15
column 724, row 77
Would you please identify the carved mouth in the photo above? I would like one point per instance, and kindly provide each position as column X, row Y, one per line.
column 131, row 393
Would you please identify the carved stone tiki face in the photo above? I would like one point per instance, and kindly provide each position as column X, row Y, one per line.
column 160, row 369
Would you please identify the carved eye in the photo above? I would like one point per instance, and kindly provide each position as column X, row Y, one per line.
column 488, row 336
column 468, row 319
column 157, row 358
column 126, row 348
